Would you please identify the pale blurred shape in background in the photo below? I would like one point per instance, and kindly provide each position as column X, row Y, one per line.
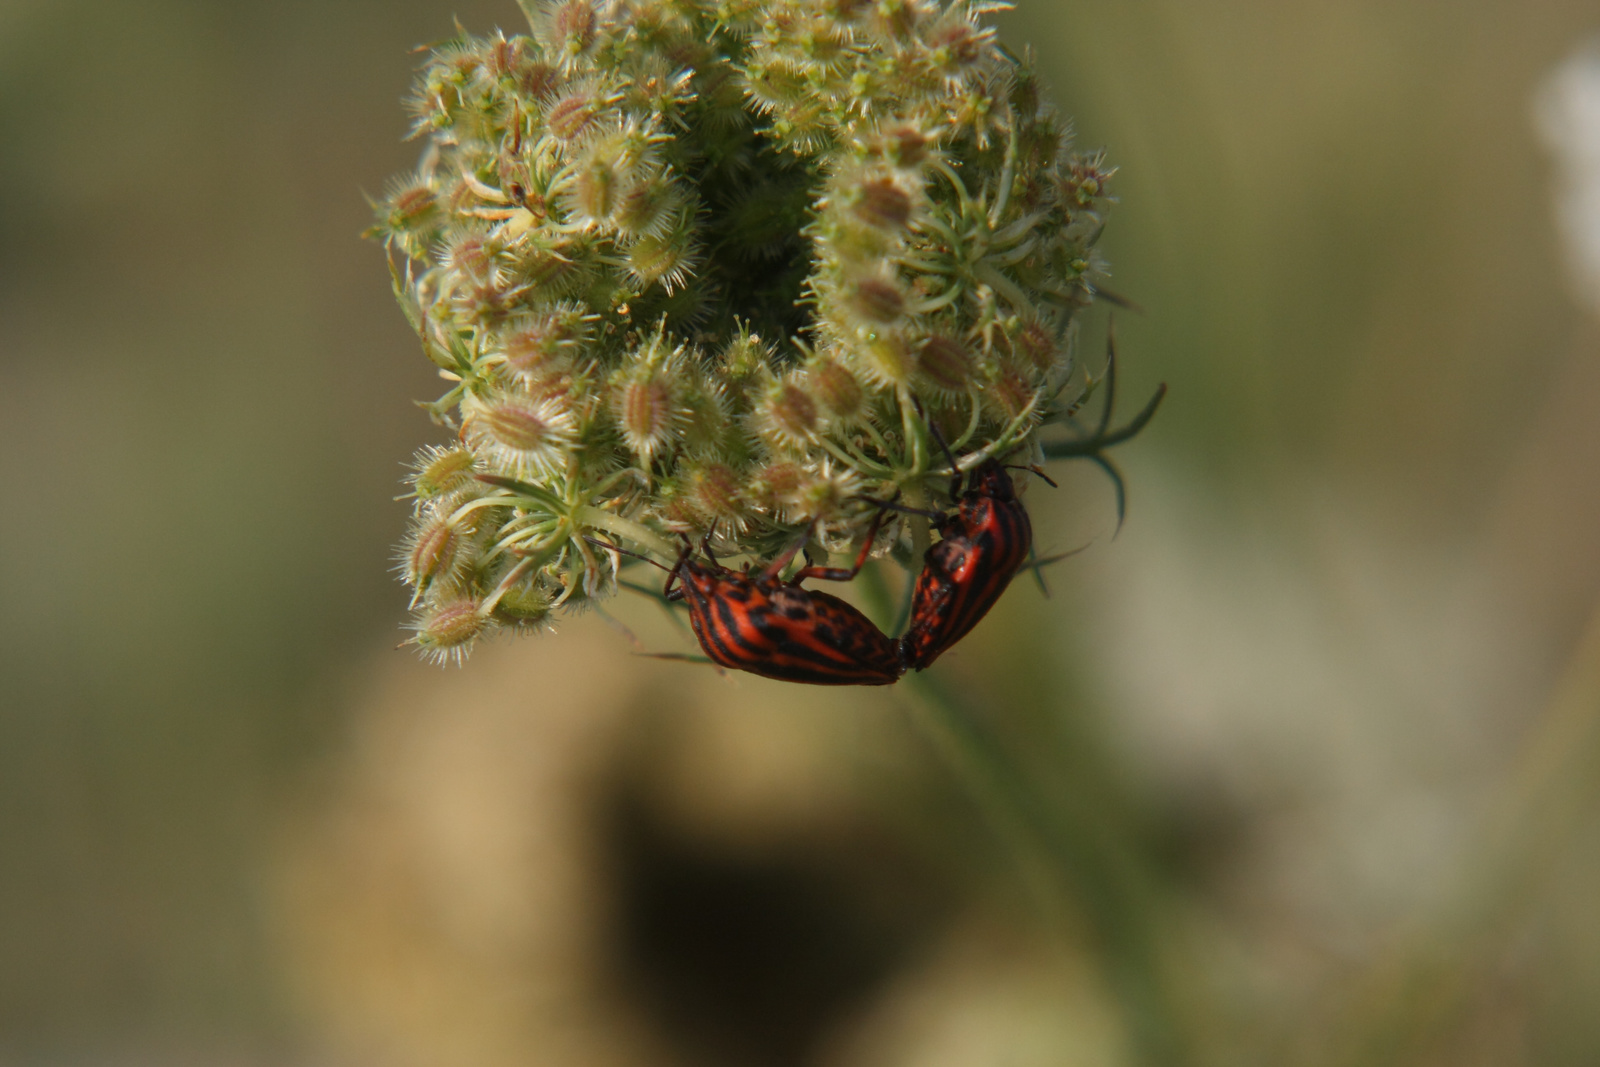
column 1568, row 110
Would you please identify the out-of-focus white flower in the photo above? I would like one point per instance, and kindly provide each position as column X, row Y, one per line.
column 1567, row 113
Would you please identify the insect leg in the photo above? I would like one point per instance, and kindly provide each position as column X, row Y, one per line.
column 841, row 574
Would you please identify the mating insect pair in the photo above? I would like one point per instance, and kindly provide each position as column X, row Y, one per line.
column 760, row 623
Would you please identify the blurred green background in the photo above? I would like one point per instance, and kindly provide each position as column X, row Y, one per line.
column 1318, row 724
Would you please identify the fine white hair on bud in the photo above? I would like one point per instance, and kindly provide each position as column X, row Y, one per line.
column 714, row 266
column 646, row 400
column 886, row 357
column 826, row 489
column 522, row 598
column 716, row 493
column 835, row 388
column 876, row 300
column 666, row 259
column 648, row 207
column 569, row 29
column 438, row 470
column 882, row 202
column 524, row 435
column 944, row 364
column 577, row 113
column 544, row 342
column 446, row 630
column 786, row 415
column 705, row 427
column 438, row 550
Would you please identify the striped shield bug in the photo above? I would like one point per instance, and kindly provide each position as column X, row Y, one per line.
column 982, row 545
column 988, row 538
column 759, row 623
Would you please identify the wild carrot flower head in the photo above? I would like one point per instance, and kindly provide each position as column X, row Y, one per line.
column 719, row 264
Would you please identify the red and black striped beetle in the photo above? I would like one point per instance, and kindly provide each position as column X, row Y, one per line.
column 764, row 625
column 778, row 630
column 988, row 538
column 983, row 544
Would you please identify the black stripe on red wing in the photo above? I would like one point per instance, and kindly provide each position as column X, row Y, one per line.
column 785, row 632
column 858, row 635
column 949, row 601
column 824, row 645
column 806, row 644
column 712, row 601
column 741, row 628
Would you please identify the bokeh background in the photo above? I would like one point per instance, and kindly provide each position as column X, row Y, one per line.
column 1319, row 731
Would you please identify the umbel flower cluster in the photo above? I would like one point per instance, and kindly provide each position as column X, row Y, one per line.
column 698, row 267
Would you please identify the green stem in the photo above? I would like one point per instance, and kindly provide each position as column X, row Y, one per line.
column 600, row 519
column 1068, row 853
column 856, row 461
column 917, row 497
column 1007, row 288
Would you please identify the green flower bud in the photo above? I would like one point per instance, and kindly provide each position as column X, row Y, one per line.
column 836, row 389
column 666, row 260
column 646, row 412
column 410, row 215
column 745, row 357
column 778, row 488
column 544, row 342
column 645, row 398
column 826, row 490
column 648, row 208
column 593, row 194
column 549, row 270
column 1036, row 344
column 945, row 364
column 705, row 428
column 716, row 492
column 576, row 114
column 956, row 48
column 787, row 415
column 441, row 470
column 474, row 255
column 525, row 435
column 887, row 358
column 1011, row 392
column 446, row 632
column 881, row 202
column 1085, row 181
column 522, row 600
column 877, row 300
column 906, row 146
column 572, row 28
column 437, row 551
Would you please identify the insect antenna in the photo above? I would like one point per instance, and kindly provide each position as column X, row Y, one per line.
column 904, row 509
column 1117, row 300
column 893, row 504
column 609, row 547
column 705, row 542
column 684, row 657
column 955, row 471
column 1051, row 482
